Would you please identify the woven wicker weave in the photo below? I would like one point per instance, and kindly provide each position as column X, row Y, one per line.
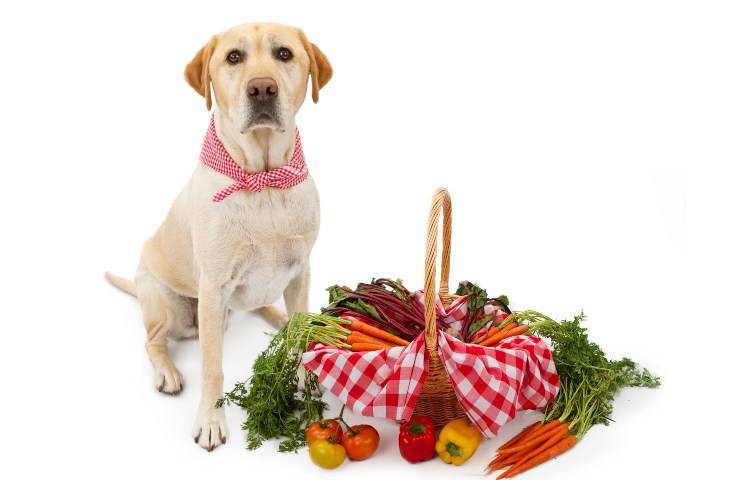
column 437, row 400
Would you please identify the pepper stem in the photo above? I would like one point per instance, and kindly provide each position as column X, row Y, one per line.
column 453, row 449
column 417, row 429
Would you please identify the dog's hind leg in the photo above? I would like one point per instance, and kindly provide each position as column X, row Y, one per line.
column 161, row 308
column 273, row 315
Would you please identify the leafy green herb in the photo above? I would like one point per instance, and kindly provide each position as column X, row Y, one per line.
column 271, row 398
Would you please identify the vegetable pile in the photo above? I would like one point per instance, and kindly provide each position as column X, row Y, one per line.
column 388, row 306
column 365, row 337
column 383, row 303
column 384, row 314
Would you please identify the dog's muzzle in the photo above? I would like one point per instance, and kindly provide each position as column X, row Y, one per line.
column 262, row 97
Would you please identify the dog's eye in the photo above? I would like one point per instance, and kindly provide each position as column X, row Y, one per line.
column 283, row 54
column 234, row 57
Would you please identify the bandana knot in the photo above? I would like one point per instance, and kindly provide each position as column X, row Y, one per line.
column 214, row 155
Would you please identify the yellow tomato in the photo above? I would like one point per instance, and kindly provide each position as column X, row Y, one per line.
column 326, row 454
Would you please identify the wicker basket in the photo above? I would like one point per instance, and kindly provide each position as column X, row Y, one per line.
column 438, row 400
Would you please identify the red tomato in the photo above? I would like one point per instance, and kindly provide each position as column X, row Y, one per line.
column 361, row 441
column 323, row 430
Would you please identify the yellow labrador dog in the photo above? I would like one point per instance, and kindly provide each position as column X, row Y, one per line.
column 209, row 257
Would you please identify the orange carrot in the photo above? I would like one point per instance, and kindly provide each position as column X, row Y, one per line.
column 359, row 326
column 506, row 460
column 506, row 328
column 538, row 430
column 518, row 436
column 494, row 463
column 505, row 334
column 560, row 447
column 515, row 331
column 367, row 347
column 500, row 331
column 544, row 433
column 491, row 331
column 491, row 338
column 535, row 431
column 555, row 438
column 502, row 460
column 359, row 337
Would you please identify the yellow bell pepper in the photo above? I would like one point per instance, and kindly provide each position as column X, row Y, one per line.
column 458, row 441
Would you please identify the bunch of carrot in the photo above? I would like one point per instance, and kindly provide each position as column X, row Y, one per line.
column 509, row 328
column 526, row 322
column 535, row 444
column 364, row 337
column 573, row 414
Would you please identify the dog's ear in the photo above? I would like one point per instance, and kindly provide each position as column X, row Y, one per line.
column 197, row 73
column 320, row 69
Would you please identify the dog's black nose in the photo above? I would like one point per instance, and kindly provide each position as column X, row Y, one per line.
column 263, row 88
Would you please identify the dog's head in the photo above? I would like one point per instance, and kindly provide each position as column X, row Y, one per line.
column 259, row 73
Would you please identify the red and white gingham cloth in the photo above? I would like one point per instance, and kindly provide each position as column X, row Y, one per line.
column 491, row 383
column 381, row 383
column 214, row 155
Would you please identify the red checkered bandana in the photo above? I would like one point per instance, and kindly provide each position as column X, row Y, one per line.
column 214, row 155
column 491, row 383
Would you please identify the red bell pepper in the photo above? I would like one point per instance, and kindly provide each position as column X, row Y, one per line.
column 416, row 439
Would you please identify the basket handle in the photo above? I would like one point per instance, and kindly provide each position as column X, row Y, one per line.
column 440, row 202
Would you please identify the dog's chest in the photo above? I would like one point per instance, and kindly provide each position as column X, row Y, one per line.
column 266, row 272
column 271, row 248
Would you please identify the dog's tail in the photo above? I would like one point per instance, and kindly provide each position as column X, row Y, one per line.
column 121, row 283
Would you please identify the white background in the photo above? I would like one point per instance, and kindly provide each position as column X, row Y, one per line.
column 590, row 149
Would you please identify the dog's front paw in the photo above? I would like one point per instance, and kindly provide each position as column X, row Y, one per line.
column 209, row 430
column 167, row 378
